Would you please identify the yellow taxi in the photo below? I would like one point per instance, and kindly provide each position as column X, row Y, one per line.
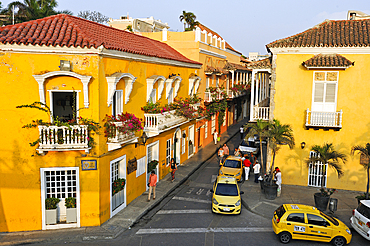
column 226, row 196
column 232, row 167
column 296, row 221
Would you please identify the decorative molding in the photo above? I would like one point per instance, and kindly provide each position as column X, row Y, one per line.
column 150, row 83
column 177, row 80
column 321, row 50
column 194, row 82
column 112, row 84
column 84, row 79
column 210, row 53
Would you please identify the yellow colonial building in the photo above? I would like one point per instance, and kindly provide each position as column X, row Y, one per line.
column 83, row 75
column 319, row 85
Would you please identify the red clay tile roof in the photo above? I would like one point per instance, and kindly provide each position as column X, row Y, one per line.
column 227, row 45
column 235, row 66
column 261, row 64
column 330, row 33
column 67, row 30
column 328, row 60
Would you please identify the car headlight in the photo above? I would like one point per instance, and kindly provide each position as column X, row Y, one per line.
column 348, row 231
column 238, row 174
column 221, row 172
column 215, row 202
column 237, row 203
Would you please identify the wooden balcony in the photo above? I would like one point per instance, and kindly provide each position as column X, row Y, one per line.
column 157, row 123
column 62, row 138
column 323, row 119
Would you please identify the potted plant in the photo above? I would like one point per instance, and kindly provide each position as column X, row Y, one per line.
column 365, row 162
column 70, row 203
column 51, row 210
column 327, row 155
column 152, row 165
column 277, row 134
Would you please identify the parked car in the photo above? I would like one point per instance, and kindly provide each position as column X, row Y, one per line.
column 226, row 196
column 247, row 147
column 360, row 219
column 232, row 167
column 297, row 221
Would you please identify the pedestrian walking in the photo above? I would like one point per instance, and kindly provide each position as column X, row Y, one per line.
column 256, row 169
column 247, row 165
column 237, row 152
column 215, row 136
column 152, row 184
column 173, row 169
column 278, row 180
column 241, row 130
column 220, row 155
column 252, row 159
column 226, row 150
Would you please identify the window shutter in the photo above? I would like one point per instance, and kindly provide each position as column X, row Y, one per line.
column 119, row 102
column 330, row 92
column 319, row 92
column 153, row 96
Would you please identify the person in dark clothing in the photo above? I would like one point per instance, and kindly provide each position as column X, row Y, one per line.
column 173, row 169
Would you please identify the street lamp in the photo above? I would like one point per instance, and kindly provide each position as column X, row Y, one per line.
column 303, row 144
column 143, row 140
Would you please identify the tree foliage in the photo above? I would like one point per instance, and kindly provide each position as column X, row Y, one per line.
column 364, row 151
column 93, row 16
column 189, row 19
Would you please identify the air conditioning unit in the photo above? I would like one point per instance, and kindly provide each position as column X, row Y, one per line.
column 123, row 17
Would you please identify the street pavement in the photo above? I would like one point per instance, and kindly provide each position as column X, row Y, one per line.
column 253, row 199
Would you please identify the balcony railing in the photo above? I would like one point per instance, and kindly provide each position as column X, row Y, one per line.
column 63, row 138
column 156, row 123
column 120, row 137
column 324, row 119
column 230, row 94
column 208, row 97
column 261, row 113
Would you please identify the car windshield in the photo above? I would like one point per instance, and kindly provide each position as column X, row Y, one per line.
column 244, row 144
column 232, row 163
column 226, row 189
column 365, row 211
column 331, row 219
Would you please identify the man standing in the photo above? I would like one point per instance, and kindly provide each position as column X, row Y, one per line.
column 226, row 150
column 241, row 132
column 278, row 180
column 246, row 164
column 152, row 184
column 215, row 136
column 256, row 169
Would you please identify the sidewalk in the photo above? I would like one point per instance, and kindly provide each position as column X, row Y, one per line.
column 254, row 199
column 132, row 213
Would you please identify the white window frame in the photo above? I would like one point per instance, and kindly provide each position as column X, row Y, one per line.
column 168, row 151
column 224, row 123
column 213, row 123
column 206, row 129
column 141, row 166
column 314, row 104
column 117, row 105
column 121, row 174
column 51, row 102
column 183, row 141
column 207, row 83
column 43, row 197
column 153, row 96
column 315, row 173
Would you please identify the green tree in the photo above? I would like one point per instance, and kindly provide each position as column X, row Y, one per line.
column 279, row 134
column 189, row 19
column 94, row 16
column 33, row 9
column 327, row 155
column 365, row 152
column 259, row 128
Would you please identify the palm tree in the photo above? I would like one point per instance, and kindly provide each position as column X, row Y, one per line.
column 34, row 9
column 327, row 155
column 279, row 134
column 365, row 151
column 260, row 129
column 189, row 19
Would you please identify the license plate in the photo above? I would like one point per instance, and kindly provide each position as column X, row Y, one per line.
column 226, row 209
column 360, row 223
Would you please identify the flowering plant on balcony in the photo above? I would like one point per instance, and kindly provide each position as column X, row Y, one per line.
column 185, row 107
column 92, row 126
column 218, row 104
column 130, row 124
column 240, row 88
column 118, row 185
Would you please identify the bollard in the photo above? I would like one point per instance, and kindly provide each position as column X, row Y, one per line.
column 333, row 203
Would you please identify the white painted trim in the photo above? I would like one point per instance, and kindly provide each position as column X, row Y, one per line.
column 122, row 206
column 233, row 52
column 177, row 80
column 150, row 84
column 321, row 50
column 89, row 51
column 327, row 68
column 84, row 79
column 112, row 82
column 43, row 188
column 194, row 82
column 193, row 140
column 146, row 160
column 210, row 53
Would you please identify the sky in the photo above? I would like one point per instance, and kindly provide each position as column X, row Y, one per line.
column 246, row 25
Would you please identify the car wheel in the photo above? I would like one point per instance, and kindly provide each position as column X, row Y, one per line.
column 285, row 237
column 339, row 241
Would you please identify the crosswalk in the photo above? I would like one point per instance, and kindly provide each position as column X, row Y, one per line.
column 203, row 230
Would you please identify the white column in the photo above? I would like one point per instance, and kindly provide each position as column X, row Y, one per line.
column 252, row 96
column 164, row 34
column 197, row 34
column 257, row 89
column 232, row 78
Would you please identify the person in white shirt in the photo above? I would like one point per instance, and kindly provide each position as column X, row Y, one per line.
column 215, row 135
column 278, row 180
column 256, row 169
column 241, row 132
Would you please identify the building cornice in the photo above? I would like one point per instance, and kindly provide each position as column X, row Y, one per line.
column 210, row 53
column 321, row 50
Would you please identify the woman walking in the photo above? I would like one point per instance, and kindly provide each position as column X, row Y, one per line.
column 173, row 169
column 220, row 155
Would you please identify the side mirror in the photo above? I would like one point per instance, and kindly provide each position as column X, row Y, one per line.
column 241, row 192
